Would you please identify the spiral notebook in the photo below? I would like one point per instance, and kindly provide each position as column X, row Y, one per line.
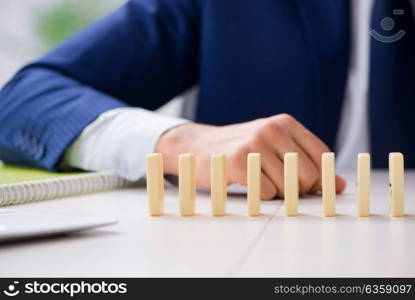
column 21, row 184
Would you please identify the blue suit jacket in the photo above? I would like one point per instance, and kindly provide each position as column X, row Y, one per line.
column 250, row 58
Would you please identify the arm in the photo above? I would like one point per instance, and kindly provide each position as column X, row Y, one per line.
column 143, row 54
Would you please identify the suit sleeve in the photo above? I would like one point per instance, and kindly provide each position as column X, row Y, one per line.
column 143, row 54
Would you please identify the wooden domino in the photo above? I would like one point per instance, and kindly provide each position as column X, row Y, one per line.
column 396, row 184
column 155, row 184
column 254, row 183
column 218, row 190
column 187, row 184
column 291, row 190
column 363, row 185
column 218, row 178
column 328, row 175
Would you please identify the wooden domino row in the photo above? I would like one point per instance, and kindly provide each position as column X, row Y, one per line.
column 187, row 184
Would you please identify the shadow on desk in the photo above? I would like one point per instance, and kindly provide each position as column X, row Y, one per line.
column 56, row 238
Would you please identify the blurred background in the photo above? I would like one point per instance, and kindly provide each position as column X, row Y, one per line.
column 29, row 28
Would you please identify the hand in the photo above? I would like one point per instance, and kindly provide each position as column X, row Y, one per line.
column 272, row 137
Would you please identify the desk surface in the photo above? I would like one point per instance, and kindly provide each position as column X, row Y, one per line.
column 234, row 245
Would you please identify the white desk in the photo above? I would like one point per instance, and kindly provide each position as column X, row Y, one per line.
column 234, row 245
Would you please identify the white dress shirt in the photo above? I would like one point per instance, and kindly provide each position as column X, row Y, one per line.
column 119, row 139
column 353, row 134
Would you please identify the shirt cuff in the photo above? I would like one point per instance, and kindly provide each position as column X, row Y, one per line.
column 118, row 141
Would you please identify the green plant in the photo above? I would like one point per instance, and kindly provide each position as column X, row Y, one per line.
column 68, row 16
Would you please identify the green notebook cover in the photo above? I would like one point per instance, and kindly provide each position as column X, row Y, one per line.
column 16, row 174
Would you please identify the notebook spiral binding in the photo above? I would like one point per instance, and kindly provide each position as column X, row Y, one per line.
column 45, row 189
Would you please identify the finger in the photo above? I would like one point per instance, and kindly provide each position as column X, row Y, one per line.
column 314, row 148
column 238, row 174
column 282, row 143
column 273, row 167
column 308, row 173
column 268, row 188
column 340, row 184
column 309, row 142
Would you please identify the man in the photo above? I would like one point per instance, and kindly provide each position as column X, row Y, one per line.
column 274, row 76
